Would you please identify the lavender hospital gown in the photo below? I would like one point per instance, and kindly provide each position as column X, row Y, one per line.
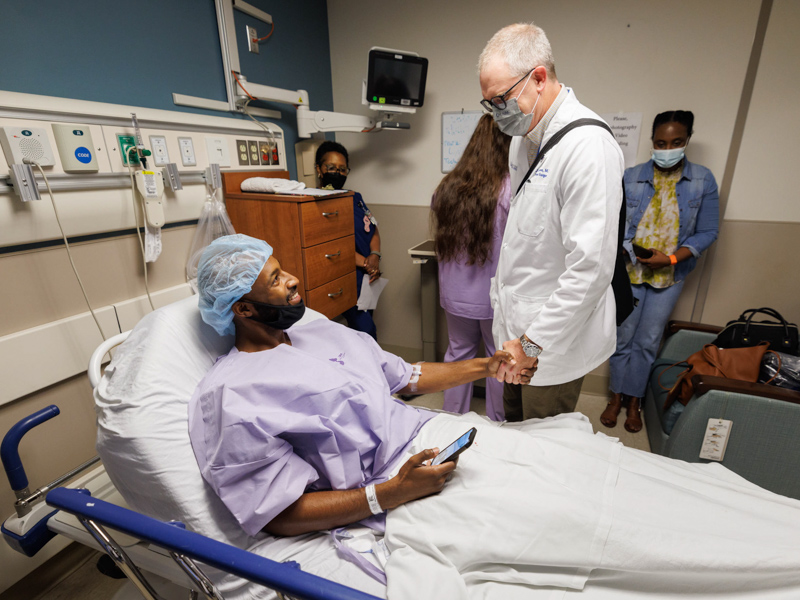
column 268, row 426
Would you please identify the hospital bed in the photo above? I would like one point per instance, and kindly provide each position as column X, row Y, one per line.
column 150, row 469
column 149, row 466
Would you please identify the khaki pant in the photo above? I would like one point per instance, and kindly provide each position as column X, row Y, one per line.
column 526, row 401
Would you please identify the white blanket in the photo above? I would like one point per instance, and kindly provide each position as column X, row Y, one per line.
column 543, row 511
column 271, row 185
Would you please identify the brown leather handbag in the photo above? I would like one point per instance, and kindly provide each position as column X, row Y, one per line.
column 733, row 363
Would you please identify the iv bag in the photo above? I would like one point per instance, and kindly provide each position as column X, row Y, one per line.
column 213, row 223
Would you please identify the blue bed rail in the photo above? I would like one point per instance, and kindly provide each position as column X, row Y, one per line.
column 9, row 448
column 281, row 577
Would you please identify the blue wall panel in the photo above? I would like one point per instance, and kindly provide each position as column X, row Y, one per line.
column 139, row 53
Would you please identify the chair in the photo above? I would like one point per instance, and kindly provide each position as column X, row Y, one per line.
column 763, row 444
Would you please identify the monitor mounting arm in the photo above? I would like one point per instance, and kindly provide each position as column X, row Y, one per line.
column 240, row 91
column 308, row 121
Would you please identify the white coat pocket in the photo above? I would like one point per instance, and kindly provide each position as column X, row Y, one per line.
column 532, row 209
column 525, row 309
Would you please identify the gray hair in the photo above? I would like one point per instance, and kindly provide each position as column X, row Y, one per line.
column 523, row 46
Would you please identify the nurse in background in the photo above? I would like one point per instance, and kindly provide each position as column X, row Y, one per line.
column 673, row 217
column 469, row 212
column 333, row 166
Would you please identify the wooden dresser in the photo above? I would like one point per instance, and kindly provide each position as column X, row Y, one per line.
column 312, row 238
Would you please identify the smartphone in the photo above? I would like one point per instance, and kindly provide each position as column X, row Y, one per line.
column 456, row 448
column 641, row 252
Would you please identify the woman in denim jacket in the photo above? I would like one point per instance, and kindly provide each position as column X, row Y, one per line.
column 673, row 216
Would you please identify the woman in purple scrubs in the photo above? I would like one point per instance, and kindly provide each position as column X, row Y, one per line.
column 469, row 209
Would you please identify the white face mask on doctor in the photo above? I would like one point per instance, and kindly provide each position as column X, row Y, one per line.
column 507, row 114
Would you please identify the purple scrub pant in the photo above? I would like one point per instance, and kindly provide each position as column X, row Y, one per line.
column 465, row 338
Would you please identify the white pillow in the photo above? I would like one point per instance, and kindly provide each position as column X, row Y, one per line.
column 142, row 418
column 143, row 438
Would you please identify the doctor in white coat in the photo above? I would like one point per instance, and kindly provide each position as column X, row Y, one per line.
column 552, row 295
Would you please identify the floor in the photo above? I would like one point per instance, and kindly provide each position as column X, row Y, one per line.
column 69, row 575
column 590, row 405
column 73, row 573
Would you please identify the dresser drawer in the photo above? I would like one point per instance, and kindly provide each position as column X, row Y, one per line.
column 332, row 299
column 325, row 220
column 328, row 261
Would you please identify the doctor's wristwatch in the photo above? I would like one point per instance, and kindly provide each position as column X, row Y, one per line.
column 530, row 349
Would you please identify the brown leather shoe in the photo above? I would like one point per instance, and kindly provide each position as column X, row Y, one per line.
column 609, row 416
column 634, row 421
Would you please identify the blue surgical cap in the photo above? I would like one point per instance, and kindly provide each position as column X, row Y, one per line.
column 228, row 268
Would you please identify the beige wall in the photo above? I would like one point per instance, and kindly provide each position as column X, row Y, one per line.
column 622, row 55
column 762, row 189
column 613, row 54
column 40, row 288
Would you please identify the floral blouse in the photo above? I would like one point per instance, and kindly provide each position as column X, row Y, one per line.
column 658, row 229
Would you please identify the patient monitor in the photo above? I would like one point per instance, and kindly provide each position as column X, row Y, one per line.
column 395, row 80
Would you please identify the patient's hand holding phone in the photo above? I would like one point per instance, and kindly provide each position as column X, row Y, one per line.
column 453, row 450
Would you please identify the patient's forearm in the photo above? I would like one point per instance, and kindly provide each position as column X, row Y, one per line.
column 441, row 376
column 317, row 511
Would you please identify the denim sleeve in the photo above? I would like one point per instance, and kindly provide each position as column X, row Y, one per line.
column 707, row 225
column 627, row 245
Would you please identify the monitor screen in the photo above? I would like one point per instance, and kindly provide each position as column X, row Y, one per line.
column 396, row 79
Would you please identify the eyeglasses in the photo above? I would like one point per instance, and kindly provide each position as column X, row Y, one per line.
column 334, row 169
column 499, row 102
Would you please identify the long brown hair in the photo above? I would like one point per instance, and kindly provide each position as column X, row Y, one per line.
column 466, row 199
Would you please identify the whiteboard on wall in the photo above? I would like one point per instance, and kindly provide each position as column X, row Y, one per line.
column 457, row 128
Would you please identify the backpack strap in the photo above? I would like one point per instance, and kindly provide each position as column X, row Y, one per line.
column 620, row 282
column 557, row 138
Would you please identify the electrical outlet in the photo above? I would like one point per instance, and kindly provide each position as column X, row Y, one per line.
column 252, row 37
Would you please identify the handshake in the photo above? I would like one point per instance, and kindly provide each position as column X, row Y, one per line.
column 511, row 364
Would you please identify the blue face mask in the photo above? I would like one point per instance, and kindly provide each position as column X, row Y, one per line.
column 668, row 158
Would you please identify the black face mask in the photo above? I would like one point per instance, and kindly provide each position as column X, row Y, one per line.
column 334, row 179
column 278, row 317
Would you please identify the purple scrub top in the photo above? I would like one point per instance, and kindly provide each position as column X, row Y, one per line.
column 463, row 288
column 268, row 426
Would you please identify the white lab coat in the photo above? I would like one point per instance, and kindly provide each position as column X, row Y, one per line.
column 553, row 278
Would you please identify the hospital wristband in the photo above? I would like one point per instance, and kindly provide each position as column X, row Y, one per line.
column 673, row 260
column 416, row 372
column 372, row 500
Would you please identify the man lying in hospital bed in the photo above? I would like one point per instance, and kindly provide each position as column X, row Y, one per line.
column 294, row 425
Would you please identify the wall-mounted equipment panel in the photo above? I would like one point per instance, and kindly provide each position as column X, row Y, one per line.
column 158, row 144
column 95, row 196
column 75, row 148
column 188, row 157
column 24, row 142
column 218, row 151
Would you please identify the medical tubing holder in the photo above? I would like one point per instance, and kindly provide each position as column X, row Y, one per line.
column 9, row 449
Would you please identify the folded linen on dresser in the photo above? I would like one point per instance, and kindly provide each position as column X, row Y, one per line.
column 271, row 185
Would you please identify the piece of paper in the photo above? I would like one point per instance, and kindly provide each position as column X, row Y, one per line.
column 317, row 193
column 715, row 440
column 370, row 292
column 627, row 128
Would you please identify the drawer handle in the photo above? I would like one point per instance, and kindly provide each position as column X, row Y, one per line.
column 339, row 293
column 333, row 255
column 331, row 214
